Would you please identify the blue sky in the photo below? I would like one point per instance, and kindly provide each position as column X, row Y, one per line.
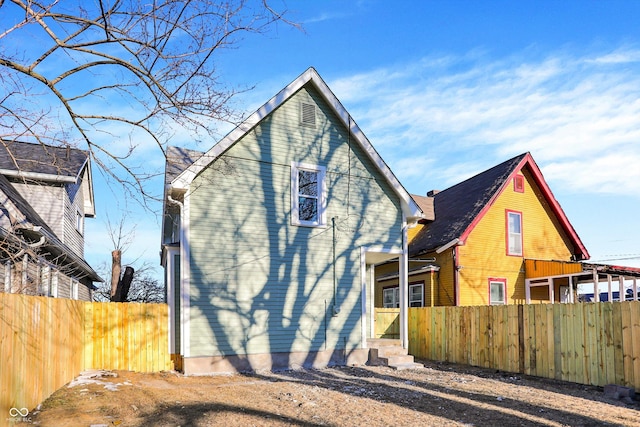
column 445, row 90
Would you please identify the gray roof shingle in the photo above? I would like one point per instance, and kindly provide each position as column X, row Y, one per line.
column 28, row 157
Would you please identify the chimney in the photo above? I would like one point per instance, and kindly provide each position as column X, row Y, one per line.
column 432, row 193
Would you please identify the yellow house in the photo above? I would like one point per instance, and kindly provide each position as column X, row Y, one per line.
column 484, row 233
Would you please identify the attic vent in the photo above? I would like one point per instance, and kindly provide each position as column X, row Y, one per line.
column 308, row 114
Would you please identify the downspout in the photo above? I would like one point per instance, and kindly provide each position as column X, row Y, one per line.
column 172, row 300
column 334, row 309
column 456, row 278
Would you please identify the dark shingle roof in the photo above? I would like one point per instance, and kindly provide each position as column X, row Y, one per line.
column 179, row 159
column 42, row 159
column 456, row 207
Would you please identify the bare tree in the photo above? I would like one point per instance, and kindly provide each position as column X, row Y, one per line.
column 145, row 287
column 87, row 73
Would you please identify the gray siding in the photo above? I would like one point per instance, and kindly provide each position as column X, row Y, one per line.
column 73, row 201
column 47, row 201
column 260, row 284
column 57, row 206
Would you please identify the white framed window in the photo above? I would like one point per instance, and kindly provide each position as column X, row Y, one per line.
column 79, row 221
column 391, row 297
column 74, row 289
column 514, row 233
column 497, row 291
column 416, row 295
column 308, row 195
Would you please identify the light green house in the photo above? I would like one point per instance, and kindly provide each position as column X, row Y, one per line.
column 269, row 238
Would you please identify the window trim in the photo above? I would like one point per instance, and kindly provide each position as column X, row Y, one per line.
column 503, row 282
column 322, row 195
column 79, row 221
column 508, row 233
column 518, row 183
column 396, row 296
column 413, row 285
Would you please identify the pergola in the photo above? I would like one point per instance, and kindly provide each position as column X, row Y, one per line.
column 546, row 273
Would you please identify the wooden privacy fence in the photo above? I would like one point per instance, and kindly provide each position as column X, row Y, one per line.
column 387, row 323
column 46, row 342
column 586, row 343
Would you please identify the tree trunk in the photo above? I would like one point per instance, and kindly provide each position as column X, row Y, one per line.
column 116, row 269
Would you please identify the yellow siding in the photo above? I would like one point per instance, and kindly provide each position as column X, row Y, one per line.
column 412, row 232
column 483, row 254
column 430, row 280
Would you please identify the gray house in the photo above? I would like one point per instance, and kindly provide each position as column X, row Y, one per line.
column 270, row 237
column 45, row 194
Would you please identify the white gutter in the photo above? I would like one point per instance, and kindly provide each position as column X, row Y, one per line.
column 38, row 176
column 446, row 246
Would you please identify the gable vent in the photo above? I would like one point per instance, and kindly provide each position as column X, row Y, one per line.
column 307, row 114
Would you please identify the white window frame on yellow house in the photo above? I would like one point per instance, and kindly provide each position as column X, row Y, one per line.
column 514, row 237
column 503, row 285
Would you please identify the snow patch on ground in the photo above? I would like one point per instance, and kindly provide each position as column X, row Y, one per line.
column 96, row 377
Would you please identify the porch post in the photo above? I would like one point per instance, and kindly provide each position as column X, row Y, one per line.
column 403, row 269
column 527, row 290
column 596, row 288
column 621, row 284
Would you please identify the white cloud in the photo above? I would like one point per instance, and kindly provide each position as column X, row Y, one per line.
column 578, row 115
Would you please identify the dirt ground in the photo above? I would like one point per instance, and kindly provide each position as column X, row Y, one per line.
column 439, row 395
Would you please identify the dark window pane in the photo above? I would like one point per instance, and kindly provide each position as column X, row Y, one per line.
column 308, row 183
column 307, row 209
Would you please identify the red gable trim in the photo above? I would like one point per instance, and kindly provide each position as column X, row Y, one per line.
column 580, row 250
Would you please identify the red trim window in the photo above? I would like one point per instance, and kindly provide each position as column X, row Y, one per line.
column 497, row 291
column 518, row 184
column 514, row 233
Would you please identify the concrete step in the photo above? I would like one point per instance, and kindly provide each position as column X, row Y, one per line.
column 377, row 353
column 383, row 342
column 404, row 366
column 396, row 360
column 386, row 352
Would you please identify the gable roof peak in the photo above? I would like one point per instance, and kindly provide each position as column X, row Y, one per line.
column 410, row 208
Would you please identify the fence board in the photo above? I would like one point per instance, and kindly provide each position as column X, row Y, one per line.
column 586, row 343
column 46, row 342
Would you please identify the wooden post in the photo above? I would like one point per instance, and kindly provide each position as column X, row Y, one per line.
column 596, row 288
column 116, row 269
